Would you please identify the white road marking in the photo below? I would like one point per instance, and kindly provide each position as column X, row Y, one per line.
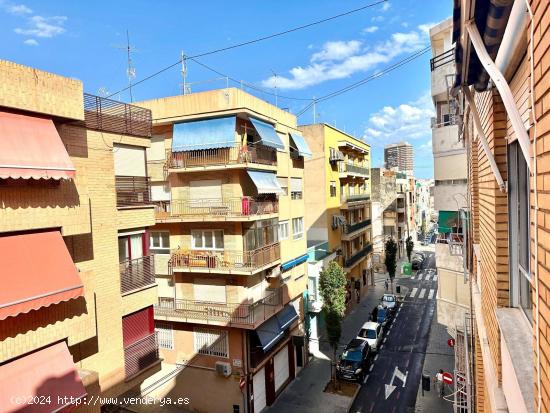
column 385, row 339
column 382, row 346
column 422, row 293
column 427, row 277
column 413, row 292
column 420, row 277
column 435, row 277
column 412, row 278
column 371, row 367
column 431, row 294
column 365, row 379
column 376, row 357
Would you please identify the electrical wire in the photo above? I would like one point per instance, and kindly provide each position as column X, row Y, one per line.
column 259, row 39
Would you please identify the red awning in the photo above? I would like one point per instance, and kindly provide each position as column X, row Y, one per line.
column 30, row 147
column 36, row 271
column 47, row 376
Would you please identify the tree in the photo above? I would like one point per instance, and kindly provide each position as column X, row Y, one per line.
column 390, row 258
column 332, row 287
column 410, row 245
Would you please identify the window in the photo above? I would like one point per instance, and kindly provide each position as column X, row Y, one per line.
column 283, row 182
column 159, row 242
column 296, row 188
column 283, row 230
column 519, row 238
column 165, row 335
column 131, row 246
column 207, row 240
column 298, row 227
column 261, row 233
column 332, row 188
column 312, row 288
column 211, row 342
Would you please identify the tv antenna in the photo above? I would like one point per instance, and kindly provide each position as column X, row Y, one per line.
column 185, row 87
column 275, row 87
column 131, row 70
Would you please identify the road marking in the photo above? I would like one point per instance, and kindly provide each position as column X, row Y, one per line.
column 376, row 357
column 371, row 367
column 435, row 277
column 422, row 293
column 382, row 346
column 413, row 292
column 365, row 379
column 431, row 294
column 420, row 277
column 385, row 339
column 427, row 277
column 412, row 278
column 401, row 376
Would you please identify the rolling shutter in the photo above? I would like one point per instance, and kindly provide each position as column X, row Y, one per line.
column 160, row 192
column 137, row 326
column 157, row 151
column 129, row 160
column 281, row 368
column 258, row 386
column 207, row 189
column 209, row 290
column 296, row 184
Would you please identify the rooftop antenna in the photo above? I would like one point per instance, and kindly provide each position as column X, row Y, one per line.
column 314, row 110
column 275, row 86
column 131, row 70
column 185, row 87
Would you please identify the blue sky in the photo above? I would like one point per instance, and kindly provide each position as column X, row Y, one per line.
column 82, row 40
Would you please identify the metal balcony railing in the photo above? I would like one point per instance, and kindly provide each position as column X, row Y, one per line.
column 247, row 314
column 335, row 155
column 358, row 255
column 447, row 120
column 137, row 273
column 140, row 355
column 356, row 198
column 239, row 154
column 225, row 259
column 109, row 115
column 442, row 59
column 132, row 191
column 232, row 208
column 349, row 228
column 353, row 169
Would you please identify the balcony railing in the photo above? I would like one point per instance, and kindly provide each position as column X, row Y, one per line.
column 231, row 208
column 442, row 59
column 137, row 273
column 447, row 120
column 349, row 228
column 132, row 191
column 140, row 355
column 112, row 116
column 335, row 155
column 353, row 169
column 247, row 314
column 226, row 259
column 358, row 255
column 240, row 154
column 356, row 198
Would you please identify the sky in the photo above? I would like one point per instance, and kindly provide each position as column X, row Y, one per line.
column 87, row 41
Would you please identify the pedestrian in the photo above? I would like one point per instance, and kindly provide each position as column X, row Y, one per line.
column 357, row 296
column 439, row 383
column 386, row 284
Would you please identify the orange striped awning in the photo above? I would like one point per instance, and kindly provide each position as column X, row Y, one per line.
column 31, row 148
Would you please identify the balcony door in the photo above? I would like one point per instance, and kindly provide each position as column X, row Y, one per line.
column 131, row 246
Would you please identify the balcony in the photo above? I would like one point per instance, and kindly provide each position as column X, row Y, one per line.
column 335, row 155
column 140, row 355
column 358, row 256
column 112, row 116
column 354, row 229
column 132, row 191
column 442, row 59
column 239, row 156
column 347, row 169
column 137, row 274
column 353, row 199
column 243, row 315
column 225, row 261
column 233, row 209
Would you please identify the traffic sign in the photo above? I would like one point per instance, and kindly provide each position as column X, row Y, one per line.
column 451, row 342
column 447, row 378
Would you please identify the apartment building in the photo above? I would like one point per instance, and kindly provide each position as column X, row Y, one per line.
column 76, row 312
column 424, row 203
column 227, row 173
column 399, row 156
column 405, row 208
column 384, row 207
column 338, row 202
column 502, row 84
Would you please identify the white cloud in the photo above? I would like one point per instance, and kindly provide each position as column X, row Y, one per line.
column 40, row 26
column 407, row 121
column 377, row 19
column 31, row 42
column 370, row 29
column 341, row 59
column 386, row 6
column 17, row 9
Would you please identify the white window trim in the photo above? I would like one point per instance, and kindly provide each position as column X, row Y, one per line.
column 169, row 331
column 297, row 235
column 202, row 231
column 285, row 224
column 161, row 248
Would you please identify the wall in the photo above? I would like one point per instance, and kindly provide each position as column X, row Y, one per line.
column 445, row 199
column 451, row 167
column 446, row 139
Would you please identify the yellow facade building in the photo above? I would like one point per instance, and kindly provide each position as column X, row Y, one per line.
column 227, row 174
column 75, row 311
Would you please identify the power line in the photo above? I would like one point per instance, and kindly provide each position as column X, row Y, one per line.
column 259, row 39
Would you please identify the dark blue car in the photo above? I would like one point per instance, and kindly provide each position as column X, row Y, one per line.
column 382, row 315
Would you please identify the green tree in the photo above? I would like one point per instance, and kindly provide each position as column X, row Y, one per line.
column 409, row 245
column 390, row 259
column 332, row 287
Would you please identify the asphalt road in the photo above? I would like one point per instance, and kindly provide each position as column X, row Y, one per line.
column 395, row 373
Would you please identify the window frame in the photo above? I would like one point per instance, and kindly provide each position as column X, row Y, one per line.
column 162, row 249
column 167, row 329
column 300, row 234
column 203, row 231
column 332, row 189
column 209, row 351
column 283, row 187
column 284, row 224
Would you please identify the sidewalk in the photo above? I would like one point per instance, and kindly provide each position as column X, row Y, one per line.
column 305, row 393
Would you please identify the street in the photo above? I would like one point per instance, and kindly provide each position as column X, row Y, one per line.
column 395, row 374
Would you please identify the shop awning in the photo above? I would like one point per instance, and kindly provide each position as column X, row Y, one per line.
column 31, row 148
column 204, row 134
column 265, row 182
column 39, row 272
column 294, row 262
column 286, row 316
column 300, row 144
column 269, row 333
column 48, row 374
column 447, row 222
column 268, row 134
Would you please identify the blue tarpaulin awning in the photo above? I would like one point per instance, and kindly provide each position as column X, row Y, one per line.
column 267, row 134
column 270, row 332
column 286, row 316
column 294, row 262
column 265, row 182
column 204, row 134
column 300, row 144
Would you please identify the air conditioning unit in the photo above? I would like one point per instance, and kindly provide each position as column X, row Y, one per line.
column 223, row 368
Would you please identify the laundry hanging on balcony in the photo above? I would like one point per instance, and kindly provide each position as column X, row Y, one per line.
column 267, row 134
column 300, row 144
column 204, row 134
column 265, row 182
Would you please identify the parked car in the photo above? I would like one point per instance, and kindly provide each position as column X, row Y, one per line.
column 389, row 301
column 383, row 315
column 354, row 361
column 371, row 332
column 417, row 261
